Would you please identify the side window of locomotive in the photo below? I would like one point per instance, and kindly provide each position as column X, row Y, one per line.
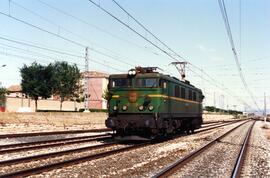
column 189, row 94
column 194, row 96
column 183, row 93
column 176, row 91
column 162, row 83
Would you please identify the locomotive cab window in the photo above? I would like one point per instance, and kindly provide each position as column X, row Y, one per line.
column 120, row 82
column 147, row 82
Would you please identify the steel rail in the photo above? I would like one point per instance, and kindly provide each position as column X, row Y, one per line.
column 53, row 133
column 218, row 123
column 68, row 141
column 48, row 167
column 48, row 141
column 224, row 121
column 53, row 154
column 175, row 166
column 53, row 144
column 240, row 160
column 203, row 129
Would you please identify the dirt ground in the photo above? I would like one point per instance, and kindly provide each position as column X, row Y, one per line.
column 31, row 122
column 51, row 121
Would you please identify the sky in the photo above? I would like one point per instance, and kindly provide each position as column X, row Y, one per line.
column 194, row 29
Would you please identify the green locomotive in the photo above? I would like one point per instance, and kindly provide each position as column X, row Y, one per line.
column 148, row 103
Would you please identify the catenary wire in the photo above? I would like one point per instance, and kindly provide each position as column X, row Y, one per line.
column 152, row 35
column 123, row 23
column 229, row 33
column 96, row 27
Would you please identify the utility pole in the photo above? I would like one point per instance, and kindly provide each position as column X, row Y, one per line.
column 86, row 82
column 265, row 114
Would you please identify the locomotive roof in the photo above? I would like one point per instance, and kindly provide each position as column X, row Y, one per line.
column 159, row 75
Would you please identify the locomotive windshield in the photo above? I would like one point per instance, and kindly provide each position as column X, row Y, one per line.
column 146, row 82
column 134, row 82
column 120, row 82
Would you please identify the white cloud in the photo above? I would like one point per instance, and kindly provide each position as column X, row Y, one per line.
column 205, row 49
column 210, row 53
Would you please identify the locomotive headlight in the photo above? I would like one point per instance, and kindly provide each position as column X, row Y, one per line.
column 115, row 108
column 132, row 72
column 124, row 108
column 140, row 108
column 151, row 108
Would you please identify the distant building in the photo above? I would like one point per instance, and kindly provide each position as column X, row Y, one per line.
column 98, row 82
column 15, row 91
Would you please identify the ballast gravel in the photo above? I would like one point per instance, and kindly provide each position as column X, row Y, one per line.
column 142, row 162
column 257, row 162
column 219, row 159
column 46, row 161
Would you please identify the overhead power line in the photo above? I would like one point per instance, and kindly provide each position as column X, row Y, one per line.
column 96, row 27
column 148, row 30
column 170, row 49
column 229, row 33
column 63, row 53
column 35, row 58
column 145, row 38
column 71, row 32
column 27, row 51
column 223, row 88
column 41, row 29
column 136, row 32
column 58, row 35
column 40, row 47
column 164, row 44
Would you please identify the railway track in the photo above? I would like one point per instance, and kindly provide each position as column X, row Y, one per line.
column 172, row 169
column 211, row 127
column 53, row 133
column 9, row 148
column 59, row 164
column 55, row 165
column 204, row 125
column 4, row 149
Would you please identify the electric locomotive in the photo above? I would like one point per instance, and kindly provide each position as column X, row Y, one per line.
column 147, row 103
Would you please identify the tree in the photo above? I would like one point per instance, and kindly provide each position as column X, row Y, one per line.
column 37, row 81
column 106, row 95
column 3, row 93
column 66, row 81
